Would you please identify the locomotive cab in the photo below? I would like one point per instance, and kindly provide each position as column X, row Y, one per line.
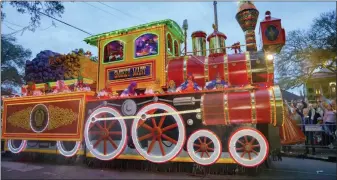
column 136, row 54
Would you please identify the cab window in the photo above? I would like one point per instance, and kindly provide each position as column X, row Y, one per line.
column 113, row 51
column 146, row 45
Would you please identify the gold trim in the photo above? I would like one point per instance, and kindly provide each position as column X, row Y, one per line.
column 185, row 67
column 278, row 106
column 202, row 109
column 253, row 104
column 249, row 67
column 206, row 72
column 272, row 105
column 225, row 98
column 225, row 66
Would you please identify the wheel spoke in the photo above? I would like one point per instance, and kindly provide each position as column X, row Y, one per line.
column 98, row 141
column 250, row 158
column 252, row 141
column 198, row 150
column 145, row 137
column 161, row 147
column 112, row 143
column 196, row 145
column 209, row 143
column 169, row 139
column 210, row 149
column 95, row 132
column 146, row 126
column 99, row 125
column 202, row 154
column 238, row 149
column 115, row 133
column 240, row 142
column 207, row 154
column 205, row 139
column 154, row 122
column 151, row 145
column 92, row 125
column 105, row 148
column 161, row 121
column 170, row 127
column 112, row 123
column 256, row 145
column 105, row 124
column 199, row 140
column 243, row 153
column 246, row 139
column 254, row 152
column 152, row 111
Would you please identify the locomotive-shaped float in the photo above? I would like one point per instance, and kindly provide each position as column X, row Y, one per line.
column 154, row 103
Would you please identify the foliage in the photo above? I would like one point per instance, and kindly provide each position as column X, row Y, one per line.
column 34, row 9
column 307, row 51
column 13, row 56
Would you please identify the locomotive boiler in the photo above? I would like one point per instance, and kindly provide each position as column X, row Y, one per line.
column 236, row 122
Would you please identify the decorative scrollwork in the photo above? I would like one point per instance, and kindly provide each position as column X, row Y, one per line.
column 60, row 117
column 20, row 119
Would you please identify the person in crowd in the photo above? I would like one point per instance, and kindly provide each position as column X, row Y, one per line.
column 189, row 85
column 80, row 85
column 218, row 83
column 61, row 87
column 47, row 88
column 130, row 91
column 171, row 87
column 329, row 120
column 106, row 91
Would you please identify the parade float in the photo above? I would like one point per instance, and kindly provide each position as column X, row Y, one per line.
column 145, row 100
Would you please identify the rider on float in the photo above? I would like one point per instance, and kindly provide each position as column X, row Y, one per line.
column 80, row 85
column 61, row 87
column 106, row 92
column 130, row 91
column 189, row 85
column 218, row 83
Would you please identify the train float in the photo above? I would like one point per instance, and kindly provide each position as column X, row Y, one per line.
column 147, row 100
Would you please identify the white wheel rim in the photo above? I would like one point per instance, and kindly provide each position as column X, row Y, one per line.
column 202, row 157
column 159, row 158
column 122, row 143
column 14, row 149
column 255, row 159
column 65, row 152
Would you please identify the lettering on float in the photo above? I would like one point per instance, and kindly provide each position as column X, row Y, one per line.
column 130, row 72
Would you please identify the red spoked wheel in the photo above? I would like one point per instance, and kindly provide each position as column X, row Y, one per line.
column 204, row 147
column 248, row 147
column 151, row 136
column 105, row 139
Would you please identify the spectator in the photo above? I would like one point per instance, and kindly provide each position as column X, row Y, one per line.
column 329, row 120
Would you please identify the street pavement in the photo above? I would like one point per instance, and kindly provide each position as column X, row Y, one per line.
column 289, row 168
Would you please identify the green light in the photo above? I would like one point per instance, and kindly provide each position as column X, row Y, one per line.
column 175, row 28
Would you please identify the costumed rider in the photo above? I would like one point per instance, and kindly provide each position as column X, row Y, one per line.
column 189, row 85
column 80, row 85
column 30, row 90
column 61, row 87
column 106, row 92
column 171, row 87
column 130, row 91
column 218, row 83
column 155, row 88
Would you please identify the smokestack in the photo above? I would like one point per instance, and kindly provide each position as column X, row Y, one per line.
column 215, row 14
column 247, row 18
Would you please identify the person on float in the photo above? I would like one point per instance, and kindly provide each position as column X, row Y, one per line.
column 155, row 88
column 61, row 87
column 47, row 88
column 31, row 90
column 130, row 91
column 218, row 83
column 80, row 85
column 189, row 85
column 106, row 92
column 171, row 87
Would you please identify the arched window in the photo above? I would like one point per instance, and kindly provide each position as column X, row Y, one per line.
column 169, row 43
column 113, row 51
column 176, row 48
column 146, row 45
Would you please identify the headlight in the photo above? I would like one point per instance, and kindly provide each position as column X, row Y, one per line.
column 270, row 57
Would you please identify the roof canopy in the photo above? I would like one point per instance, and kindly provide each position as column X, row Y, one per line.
column 175, row 28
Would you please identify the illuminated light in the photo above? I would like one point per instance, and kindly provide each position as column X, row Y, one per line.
column 198, row 116
column 66, row 153
column 190, row 122
column 270, row 57
column 14, row 149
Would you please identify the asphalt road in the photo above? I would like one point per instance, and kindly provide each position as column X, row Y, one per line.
column 289, row 168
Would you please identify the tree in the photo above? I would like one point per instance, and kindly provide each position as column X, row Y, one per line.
column 34, row 9
column 13, row 58
column 307, row 51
